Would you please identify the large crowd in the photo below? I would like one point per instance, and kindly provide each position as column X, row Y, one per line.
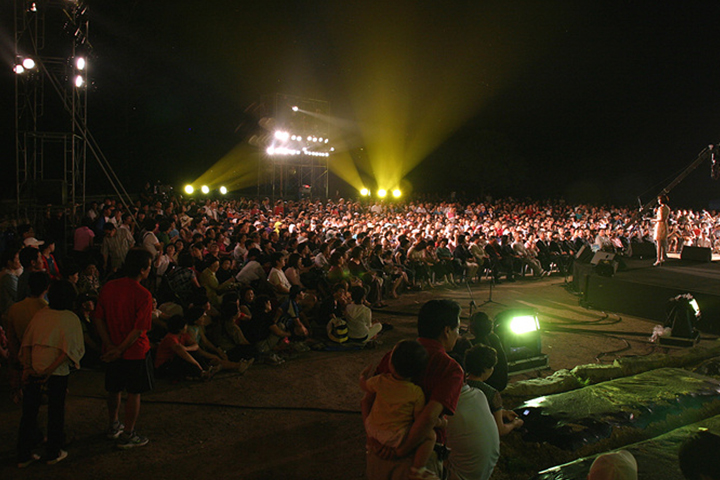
column 195, row 286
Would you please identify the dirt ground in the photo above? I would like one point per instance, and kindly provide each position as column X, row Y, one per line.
column 300, row 420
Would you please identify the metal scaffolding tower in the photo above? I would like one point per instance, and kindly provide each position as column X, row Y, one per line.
column 303, row 174
column 51, row 48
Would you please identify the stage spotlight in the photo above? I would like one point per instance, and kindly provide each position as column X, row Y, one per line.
column 396, row 193
column 683, row 314
column 28, row 63
column 80, row 63
column 205, row 189
column 282, row 136
column 295, row 109
column 189, row 189
column 223, row 190
column 364, row 192
column 519, row 332
column 79, row 81
column 19, row 69
column 382, row 193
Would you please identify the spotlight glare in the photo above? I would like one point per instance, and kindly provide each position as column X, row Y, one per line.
column 223, row 190
column 19, row 69
column 28, row 63
column 364, row 192
column 80, row 63
column 205, row 189
column 295, row 109
column 382, row 193
column 189, row 189
column 524, row 324
column 79, row 81
column 396, row 193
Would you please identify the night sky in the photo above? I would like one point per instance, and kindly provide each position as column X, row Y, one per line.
column 603, row 101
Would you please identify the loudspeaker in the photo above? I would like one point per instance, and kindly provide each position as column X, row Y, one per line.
column 602, row 256
column 643, row 250
column 584, row 255
column 696, row 254
column 607, row 267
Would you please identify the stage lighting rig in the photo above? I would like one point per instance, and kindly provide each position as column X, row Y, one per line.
column 205, row 189
column 396, row 193
column 364, row 192
column 382, row 193
column 189, row 189
column 519, row 332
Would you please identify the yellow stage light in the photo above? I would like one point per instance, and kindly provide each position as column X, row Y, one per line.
column 396, row 193
column 364, row 192
column 382, row 193
column 189, row 189
column 223, row 190
column 205, row 189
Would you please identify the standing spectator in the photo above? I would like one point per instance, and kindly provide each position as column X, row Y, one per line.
column 18, row 318
column 11, row 268
column 83, row 241
column 438, row 330
column 123, row 317
column 31, row 260
column 50, row 265
column 53, row 341
column 112, row 250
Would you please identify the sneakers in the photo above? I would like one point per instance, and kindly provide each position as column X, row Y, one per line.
column 62, row 455
column 274, row 359
column 115, row 430
column 131, row 440
column 33, row 458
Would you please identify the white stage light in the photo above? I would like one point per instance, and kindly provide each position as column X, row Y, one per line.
column 79, row 81
column 80, row 63
column 28, row 63
column 19, row 69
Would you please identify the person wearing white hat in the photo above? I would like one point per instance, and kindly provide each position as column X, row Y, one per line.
column 620, row 465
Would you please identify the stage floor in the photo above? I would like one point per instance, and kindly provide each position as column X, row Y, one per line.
column 643, row 290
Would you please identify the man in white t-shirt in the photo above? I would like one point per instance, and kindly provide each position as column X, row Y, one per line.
column 472, row 437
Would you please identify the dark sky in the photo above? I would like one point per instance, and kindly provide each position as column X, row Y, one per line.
column 591, row 100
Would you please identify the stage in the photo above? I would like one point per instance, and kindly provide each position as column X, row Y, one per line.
column 639, row 289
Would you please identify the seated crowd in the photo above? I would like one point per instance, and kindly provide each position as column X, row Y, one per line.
column 243, row 281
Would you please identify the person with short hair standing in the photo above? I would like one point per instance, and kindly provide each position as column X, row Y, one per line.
column 122, row 317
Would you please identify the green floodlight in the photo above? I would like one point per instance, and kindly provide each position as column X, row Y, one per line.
column 519, row 332
column 524, row 324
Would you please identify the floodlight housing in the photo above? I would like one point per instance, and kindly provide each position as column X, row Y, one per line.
column 189, row 189
column 223, row 190
column 28, row 63
column 364, row 192
column 19, row 69
column 382, row 193
column 683, row 314
column 79, row 81
column 205, row 189
column 80, row 63
column 396, row 193
column 519, row 332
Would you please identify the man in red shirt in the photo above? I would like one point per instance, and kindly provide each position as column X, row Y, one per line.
column 438, row 330
column 122, row 318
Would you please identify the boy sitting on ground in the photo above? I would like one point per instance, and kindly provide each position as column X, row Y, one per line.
column 480, row 363
column 359, row 318
column 398, row 403
column 177, row 355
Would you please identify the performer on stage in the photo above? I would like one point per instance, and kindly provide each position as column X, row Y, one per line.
column 662, row 214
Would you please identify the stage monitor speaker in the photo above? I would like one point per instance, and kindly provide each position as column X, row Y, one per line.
column 607, row 267
column 696, row 254
column 601, row 256
column 584, row 255
column 643, row 250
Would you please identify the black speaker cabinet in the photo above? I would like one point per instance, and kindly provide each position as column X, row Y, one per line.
column 696, row 254
column 584, row 255
column 643, row 250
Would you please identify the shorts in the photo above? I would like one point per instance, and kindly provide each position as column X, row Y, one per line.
column 133, row 376
column 389, row 438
